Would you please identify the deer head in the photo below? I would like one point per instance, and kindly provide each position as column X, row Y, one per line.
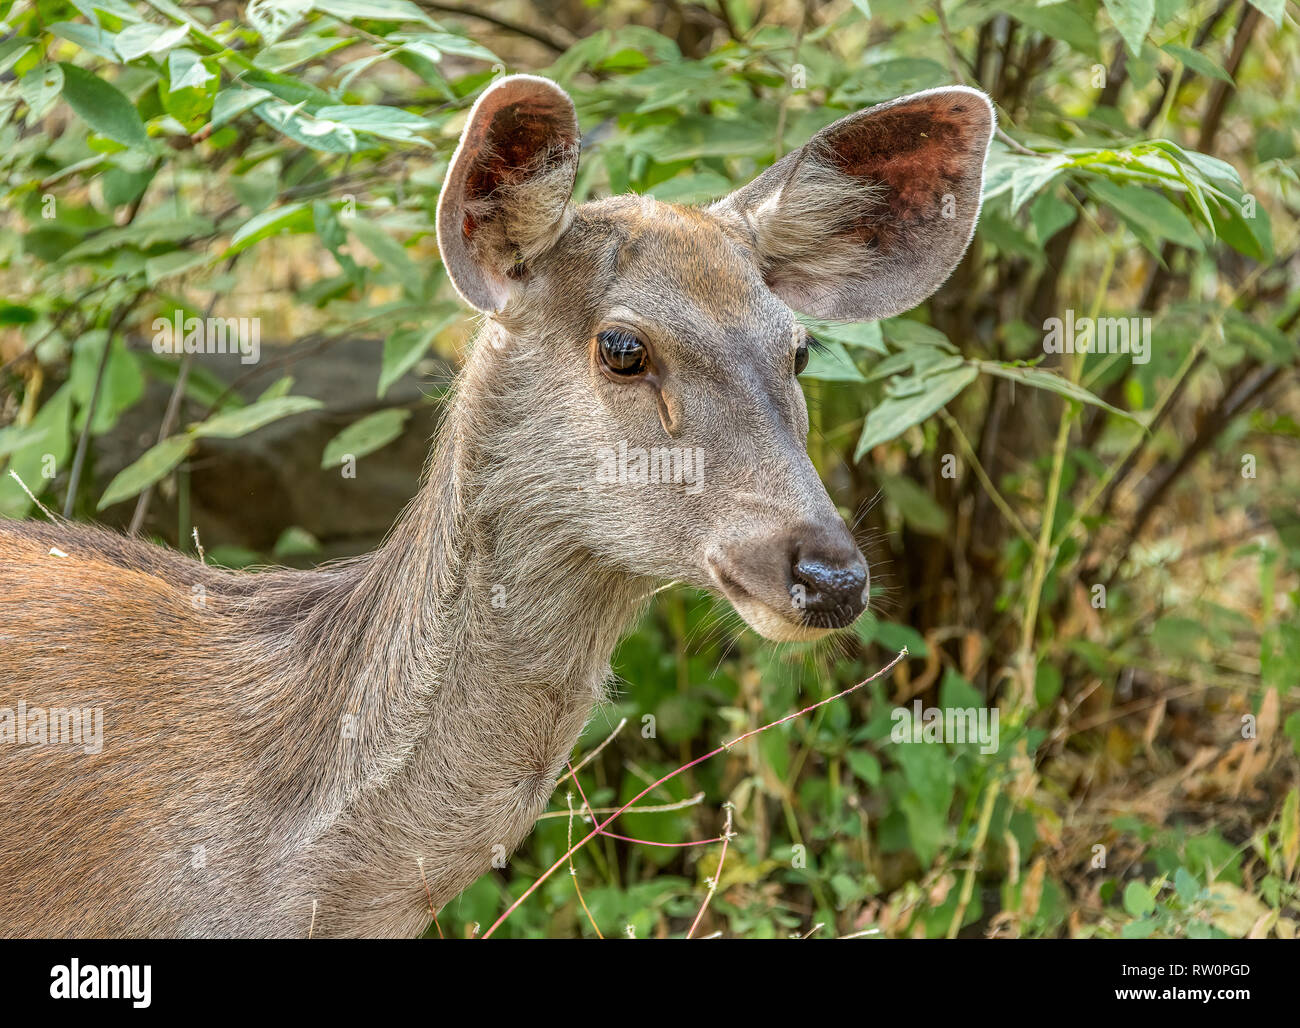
column 647, row 354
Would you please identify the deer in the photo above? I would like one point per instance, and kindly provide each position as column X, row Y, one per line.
column 341, row 751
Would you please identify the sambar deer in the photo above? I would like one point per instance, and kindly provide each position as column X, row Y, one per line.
column 303, row 741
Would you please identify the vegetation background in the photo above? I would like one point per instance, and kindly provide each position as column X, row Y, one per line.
column 1107, row 551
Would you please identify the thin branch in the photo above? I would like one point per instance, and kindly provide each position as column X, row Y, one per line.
column 998, row 501
column 518, row 28
column 573, row 871
column 657, row 808
column 673, row 774
column 83, row 441
column 573, row 771
column 717, row 874
column 170, row 414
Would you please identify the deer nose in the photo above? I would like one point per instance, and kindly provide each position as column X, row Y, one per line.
column 830, row 588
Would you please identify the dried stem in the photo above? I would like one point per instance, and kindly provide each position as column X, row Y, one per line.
column 673, row 774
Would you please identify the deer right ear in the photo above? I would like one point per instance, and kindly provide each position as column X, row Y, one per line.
column 506, row 197
column 870, row 216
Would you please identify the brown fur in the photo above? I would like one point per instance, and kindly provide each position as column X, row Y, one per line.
column 228, row 798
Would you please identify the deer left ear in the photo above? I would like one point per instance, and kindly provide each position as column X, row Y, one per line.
column 506, row 197
column 873, row 213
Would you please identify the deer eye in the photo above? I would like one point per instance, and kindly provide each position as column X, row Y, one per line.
column 801, row 357
column 622, row 353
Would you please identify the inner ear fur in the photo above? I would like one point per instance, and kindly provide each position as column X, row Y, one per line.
column 506, row 198
column 873, row 213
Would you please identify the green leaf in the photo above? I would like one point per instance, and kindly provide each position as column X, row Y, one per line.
column 241, row 422
column 392, row 254
column 50, row 438
column 379, row 10
column 280, row 387
column 864, row 334
column 908, row 332
column 294, row 217
column 318, row 134
column 1197, row 62
column 1138, row 900
column 1041, row 379
column 156, row 462
column 379, row 120
column 830, row 362
column 289, row 54
column 15, row 437
column 1066, row 22
column 430, row 43
column 1133, row 19
column 231, row 103
column 102, row 106
column 13, row 50
column 92, row 40
column 1186, row 885
column 371, row 433
column 146, row 38
column 1031, row 176
column 865, row 766
column 185, row 70
column 1049, row 214
column 1151, row 215
column 404, row 347
column 1273, row 9
column 894, row 415
column 295, row 541
column 918, row 507
column 273, row 18
column 121, row 386
column 691, row 188
column 40, row 87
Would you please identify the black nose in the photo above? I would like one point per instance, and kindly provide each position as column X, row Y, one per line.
column 830, row 589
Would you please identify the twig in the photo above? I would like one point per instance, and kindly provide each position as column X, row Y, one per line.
column 717, row 874
column 985, row 481
column 536, row 35
column 968, row 883
column 673, row 774
column 573, row 771
column 83, row 441
column 1044, row 549
column 788, row 87
column 32, row 496
column 954, row 65
column 170, row 414
column 573, row 871
column 657, row 808
column 427, row 891
column 666, row 845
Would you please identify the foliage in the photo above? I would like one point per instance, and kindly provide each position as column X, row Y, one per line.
column 155, row 156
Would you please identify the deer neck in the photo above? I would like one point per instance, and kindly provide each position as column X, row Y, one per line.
column 488, row 630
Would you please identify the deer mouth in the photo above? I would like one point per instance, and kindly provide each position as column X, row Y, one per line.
column 767, row 620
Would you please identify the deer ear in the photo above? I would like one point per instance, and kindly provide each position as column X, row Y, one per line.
column 506, row 197
column 873, row 213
